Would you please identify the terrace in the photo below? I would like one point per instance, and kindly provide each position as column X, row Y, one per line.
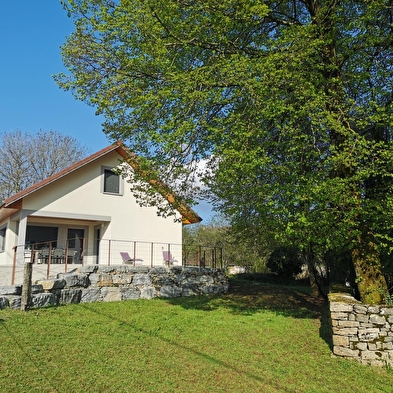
column 50, row 258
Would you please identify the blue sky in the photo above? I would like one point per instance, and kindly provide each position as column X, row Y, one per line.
column 31, row 33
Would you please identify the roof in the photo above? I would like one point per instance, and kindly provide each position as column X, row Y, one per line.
column 14, row 202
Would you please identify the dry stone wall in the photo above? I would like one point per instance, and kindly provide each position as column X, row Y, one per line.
column 361, row 332
column 95, row 283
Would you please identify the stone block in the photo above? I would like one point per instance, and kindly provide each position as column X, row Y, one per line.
column 341, row 341
column 142, row 279
column 378, row 320
column 164, row 280
column 362, row 318
column 44, row 300
column 340, row 307
column 107, row 269
column 343, row 316
column 366, row 325
column 190, row 290
column 181, row 279
column 36, row 288
column 110, row 294
column 135, row 269
column 88, row 269
column 386, row 311
column 373, row 310
column 75, row 280
column 94, row 278
column 104, row 280
column 349, row 324
column 11, row 290
column 70, row 296
column 368, row 334
column 369, row 355
column 345, row 352
column 148, row 292
column 360, row 309
column 345, row 331
column 122, row 279
column 383, row 332
column 15, row 302
column 361, row 346
column 130, row 293
column 203, row 280
column 4, row 303
column 90, row 295
column 50, row 285
column 121, row 269
column 170, row 291
column 157, row 270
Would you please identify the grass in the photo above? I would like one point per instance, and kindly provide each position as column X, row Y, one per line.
column 256, row 338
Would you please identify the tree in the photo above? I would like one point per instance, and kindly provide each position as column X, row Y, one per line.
column 287, row 262
column 26, row 158
column 290, row 101
column 235, row 251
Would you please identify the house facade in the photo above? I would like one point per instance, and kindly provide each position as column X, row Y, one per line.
column 88, row 211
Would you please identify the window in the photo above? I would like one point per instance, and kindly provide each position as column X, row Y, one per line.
column 41, row 235
column 2, row 237
column 112, row 182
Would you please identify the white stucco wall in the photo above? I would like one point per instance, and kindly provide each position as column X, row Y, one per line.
column 77, row 199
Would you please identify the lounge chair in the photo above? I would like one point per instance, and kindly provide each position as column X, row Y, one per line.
column 168, row 258
column 130, row 261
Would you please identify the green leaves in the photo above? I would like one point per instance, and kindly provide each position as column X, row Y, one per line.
column 289, row 102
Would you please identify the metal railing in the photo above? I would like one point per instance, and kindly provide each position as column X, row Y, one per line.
column 49, row 259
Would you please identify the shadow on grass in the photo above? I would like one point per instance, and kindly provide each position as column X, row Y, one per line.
column 246, row 297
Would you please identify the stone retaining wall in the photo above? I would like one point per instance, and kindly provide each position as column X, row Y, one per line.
column 96, row 283
column 361, row 332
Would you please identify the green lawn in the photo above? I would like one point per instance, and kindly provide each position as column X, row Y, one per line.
column 257, row 338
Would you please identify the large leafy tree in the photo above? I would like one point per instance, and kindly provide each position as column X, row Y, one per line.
column 289, row 101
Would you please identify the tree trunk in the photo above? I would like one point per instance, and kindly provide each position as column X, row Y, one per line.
column 316, row 291
column 370, row 281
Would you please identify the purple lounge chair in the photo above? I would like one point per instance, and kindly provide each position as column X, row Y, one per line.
column 130, row 261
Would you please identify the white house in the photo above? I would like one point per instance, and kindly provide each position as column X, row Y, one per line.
column 89, row 212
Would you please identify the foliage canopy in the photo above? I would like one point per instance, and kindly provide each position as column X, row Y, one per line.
column 289, row 102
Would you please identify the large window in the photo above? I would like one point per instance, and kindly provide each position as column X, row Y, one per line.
column 42, row 236
column 112, row 182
